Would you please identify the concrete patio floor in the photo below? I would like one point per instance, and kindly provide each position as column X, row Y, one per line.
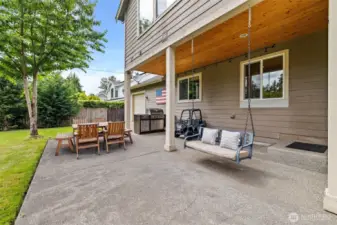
column 146, row 185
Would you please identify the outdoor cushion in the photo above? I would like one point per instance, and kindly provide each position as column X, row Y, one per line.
column 209, row 136
column 229, row 139
column 216, row 150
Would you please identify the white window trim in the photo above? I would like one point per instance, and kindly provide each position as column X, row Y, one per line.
column 271, row 102
column 155, row 17
column 200, row 88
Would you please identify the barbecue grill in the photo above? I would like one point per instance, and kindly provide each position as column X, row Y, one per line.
column 149, row 123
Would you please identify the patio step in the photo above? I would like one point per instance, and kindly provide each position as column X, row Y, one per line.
column 316, row 162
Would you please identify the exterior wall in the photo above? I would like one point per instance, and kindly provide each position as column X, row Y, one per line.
column 175, row 24
column 305, row 118
column 120, row 92
column 150, row 93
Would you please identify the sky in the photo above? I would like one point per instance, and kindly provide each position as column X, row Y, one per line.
column 112, row 61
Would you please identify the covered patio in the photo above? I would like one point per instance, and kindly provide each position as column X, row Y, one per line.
column 146, row 185
column 273, row 22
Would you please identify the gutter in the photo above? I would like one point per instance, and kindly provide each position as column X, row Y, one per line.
column 146, row 84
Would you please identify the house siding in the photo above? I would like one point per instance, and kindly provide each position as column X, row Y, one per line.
column 150, row 96
column 305, row 118
column 171, row 26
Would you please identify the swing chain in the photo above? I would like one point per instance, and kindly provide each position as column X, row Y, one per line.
column 192, row 52
column 249, row 82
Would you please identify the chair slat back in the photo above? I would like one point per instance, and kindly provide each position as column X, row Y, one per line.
column 116, row 128
column 89, row 130
column 79, row 120
column 99, row 120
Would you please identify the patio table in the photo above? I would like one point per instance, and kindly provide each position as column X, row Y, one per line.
column 60, row 137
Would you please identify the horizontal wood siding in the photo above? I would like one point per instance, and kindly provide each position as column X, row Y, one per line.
column 184, row 14
column 306, row 116
column 150, row 95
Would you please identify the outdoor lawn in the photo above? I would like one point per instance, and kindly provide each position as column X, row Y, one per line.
column 19, row 156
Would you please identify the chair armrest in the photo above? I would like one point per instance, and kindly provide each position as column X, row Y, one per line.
column 189, row 137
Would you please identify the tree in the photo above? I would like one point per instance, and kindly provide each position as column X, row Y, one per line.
column 74, row 82
column 12, row 102
column 105, row 85
column 57, row 102
column 41, row 36
column 91, row 97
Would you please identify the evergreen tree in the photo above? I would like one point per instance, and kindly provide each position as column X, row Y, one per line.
column 57, row 103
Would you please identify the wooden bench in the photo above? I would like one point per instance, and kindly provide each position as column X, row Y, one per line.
column 60, row 137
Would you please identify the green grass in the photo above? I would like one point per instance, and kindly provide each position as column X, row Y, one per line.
column 19, row 156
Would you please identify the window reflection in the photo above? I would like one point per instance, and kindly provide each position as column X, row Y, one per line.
column 255, row 80
column 146, row 14
column 273, row 77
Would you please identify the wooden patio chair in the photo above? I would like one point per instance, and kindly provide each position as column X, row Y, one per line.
column 79, row 120
column 87, row 137
column 99, row 120
column 114, row 134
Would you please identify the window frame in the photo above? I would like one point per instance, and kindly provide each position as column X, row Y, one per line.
column 266, row 102
column 112, row 93
column 188, row 85
column 155, row 17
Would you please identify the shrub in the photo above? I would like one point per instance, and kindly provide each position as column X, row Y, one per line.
column 102, row 104
column 57, row 102
column 13, row 109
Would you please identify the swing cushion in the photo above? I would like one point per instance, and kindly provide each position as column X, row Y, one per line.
column 209, row 136
column 216, row 150
column 230, row 140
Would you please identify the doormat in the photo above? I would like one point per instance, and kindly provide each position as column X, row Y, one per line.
column 308, row 147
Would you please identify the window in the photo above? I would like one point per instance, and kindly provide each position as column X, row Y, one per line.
column 116, row 93
column 162, row 5
column 268, row 81
column 189, row 88
column 112, row 93
column 146, row 14
column 149, row 10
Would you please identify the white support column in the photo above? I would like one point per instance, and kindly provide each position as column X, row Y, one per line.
column 330, row 199
column 127, row 99
column 170, row 99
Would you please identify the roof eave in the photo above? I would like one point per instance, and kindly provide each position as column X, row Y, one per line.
column 121, row 10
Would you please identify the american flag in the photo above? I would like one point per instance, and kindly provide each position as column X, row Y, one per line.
column 161, row 96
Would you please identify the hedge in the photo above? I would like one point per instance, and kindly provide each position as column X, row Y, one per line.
column 102, row 104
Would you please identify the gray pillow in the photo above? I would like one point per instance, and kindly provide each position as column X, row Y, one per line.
column 230, row 140
column 209, row 136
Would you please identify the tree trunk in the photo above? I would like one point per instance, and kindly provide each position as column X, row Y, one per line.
column 31, row 105
column 33, row 124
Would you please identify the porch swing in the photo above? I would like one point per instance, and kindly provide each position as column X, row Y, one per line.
column 244, row 147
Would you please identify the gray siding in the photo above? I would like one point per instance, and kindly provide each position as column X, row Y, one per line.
column 172, row 25
column 306, row 116
column 150, row 93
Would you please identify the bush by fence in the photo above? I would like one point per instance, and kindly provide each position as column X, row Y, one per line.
column 102, row 104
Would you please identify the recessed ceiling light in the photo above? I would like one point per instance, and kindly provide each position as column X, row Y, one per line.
column 243, row 35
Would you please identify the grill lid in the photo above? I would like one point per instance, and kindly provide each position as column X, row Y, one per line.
column 156, row 111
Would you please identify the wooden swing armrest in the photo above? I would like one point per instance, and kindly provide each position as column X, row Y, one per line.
column 189, row 137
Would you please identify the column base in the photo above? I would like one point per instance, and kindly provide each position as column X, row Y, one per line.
column 170, row 148
column 330, row 202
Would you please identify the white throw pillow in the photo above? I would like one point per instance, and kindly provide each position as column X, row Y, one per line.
column 209, row 136
column 229, row 139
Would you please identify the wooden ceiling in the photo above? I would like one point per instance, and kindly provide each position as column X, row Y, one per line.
column 273, row 21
